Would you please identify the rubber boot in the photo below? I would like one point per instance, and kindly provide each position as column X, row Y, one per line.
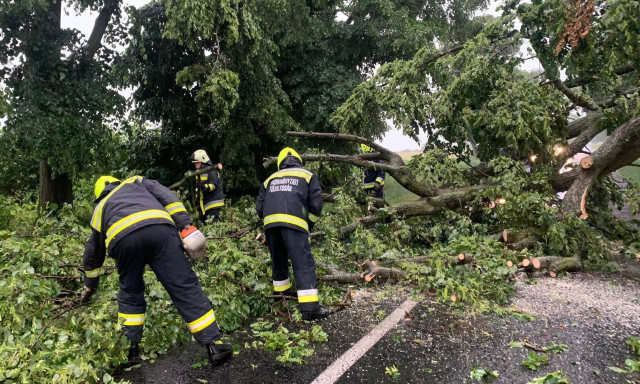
column 218, row 351
column 134, row 354
column 320, row 312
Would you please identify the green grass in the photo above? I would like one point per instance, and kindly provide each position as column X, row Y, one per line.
column 631, row 173
column 395, row 193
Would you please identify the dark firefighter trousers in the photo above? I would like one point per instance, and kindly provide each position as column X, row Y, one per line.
column 379, row 194
column 286, row 243
column 160, row 247
column 212, row 215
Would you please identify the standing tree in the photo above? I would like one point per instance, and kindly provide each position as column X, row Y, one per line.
column 259, row 68
column 61, row 90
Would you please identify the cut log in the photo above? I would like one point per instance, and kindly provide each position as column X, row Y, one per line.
column 371, row 271
column 515, row 235
column 527, row 242
column 454, row 298
column 374, row 270
column 509, row 263
column 566, row 264
column 535, row 262
column 547, row 261
column 554, row 264
column 586, row 162
column 461, row 259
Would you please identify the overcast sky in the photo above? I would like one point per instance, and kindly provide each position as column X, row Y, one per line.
column 395, row 140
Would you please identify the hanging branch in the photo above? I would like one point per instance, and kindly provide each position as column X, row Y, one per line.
column 191, row 174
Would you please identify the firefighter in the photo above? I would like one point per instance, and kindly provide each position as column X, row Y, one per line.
column 137, row 221
column 373, row 181
column 289, row 203
column 209, row 190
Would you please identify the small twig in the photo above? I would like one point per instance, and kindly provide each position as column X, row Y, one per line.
column 534, row 347
column 236, row 235
column 36, row 342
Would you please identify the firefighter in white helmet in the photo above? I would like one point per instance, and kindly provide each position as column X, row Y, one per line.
column 209, row 192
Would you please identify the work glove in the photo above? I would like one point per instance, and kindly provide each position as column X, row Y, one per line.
column 85, row 296
column 377, row 186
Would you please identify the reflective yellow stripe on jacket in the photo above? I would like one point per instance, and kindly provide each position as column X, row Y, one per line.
column 282, row 218
column 213, row 204
column 290, row 172
column 134, row 218
column 96, row 220
column 368, row 185
column 94, row 273
column 175, row 208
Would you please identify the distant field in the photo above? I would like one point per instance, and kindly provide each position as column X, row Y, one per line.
column 407, row 155
column 631, row 173
column 395, row 193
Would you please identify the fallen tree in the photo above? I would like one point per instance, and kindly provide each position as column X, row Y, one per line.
column 524, row 131
column 371, row 271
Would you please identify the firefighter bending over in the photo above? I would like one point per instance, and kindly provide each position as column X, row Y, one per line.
column 137, row 222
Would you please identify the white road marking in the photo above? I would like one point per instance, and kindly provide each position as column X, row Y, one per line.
column 344, row 362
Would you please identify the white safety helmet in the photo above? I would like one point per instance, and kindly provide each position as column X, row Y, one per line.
column 200, row 156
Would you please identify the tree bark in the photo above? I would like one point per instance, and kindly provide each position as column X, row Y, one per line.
column 604, row 157
column 58, row 190
column 422, row 207
column 399, row 172
column 527, row 242
column 95, row 39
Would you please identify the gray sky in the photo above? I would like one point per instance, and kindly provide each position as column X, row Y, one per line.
column 394, row 140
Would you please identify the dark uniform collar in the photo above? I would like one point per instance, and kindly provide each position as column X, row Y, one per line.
column 107, row 189
column 290, row 162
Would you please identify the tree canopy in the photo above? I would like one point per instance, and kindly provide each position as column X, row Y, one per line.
column 260, row 68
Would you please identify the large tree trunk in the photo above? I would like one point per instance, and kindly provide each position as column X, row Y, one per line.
column 58, row 190
column 613, row 148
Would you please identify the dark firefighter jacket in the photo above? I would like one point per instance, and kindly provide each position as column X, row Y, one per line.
column 371, row 176
column 209, row 190
column 134, row 203
column 291, row 197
